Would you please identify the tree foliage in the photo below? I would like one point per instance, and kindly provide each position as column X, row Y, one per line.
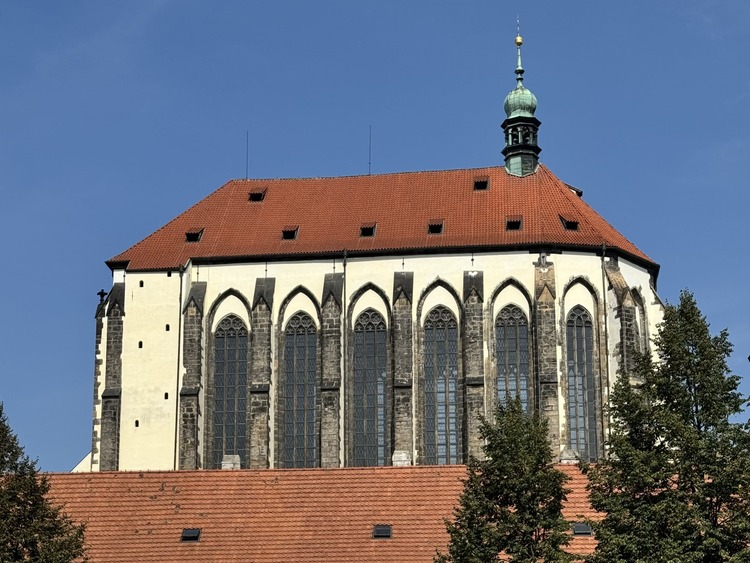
column 512, row 499
column 676, row 483
column 31, row 528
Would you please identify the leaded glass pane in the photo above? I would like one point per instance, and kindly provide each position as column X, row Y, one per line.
column 369, row 389
column 230, row 390
column 512, row 356
column 300, row 447
column 582, row 416
column 441, row 397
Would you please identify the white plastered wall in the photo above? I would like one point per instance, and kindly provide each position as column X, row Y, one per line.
column 149, row 373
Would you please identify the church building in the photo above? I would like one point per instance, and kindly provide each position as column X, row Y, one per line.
column 369, row 320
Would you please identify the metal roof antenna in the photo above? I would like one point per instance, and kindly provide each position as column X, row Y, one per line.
column 247, row 153
column 369, row 157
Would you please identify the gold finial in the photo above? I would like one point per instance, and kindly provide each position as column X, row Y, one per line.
column 519, row 39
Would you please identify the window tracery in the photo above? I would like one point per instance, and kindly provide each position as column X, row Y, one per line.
column 441, row 394
column 370, row 390
column 299, row 389
column 512, row 356
column 230, row 390
column 583, row 424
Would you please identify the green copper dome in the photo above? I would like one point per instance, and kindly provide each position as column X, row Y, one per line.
column 520, row 102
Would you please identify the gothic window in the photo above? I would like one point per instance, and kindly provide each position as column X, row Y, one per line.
column 441, row 394
column 640, row 332
column 230, row 390
column 299, row 390
column 582, row 418
column 512, row 356
column 369, row 390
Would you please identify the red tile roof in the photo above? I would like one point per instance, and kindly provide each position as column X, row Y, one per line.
column 330, row 211
column 273, row 515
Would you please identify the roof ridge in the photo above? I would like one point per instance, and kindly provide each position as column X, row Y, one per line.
column 400, row 173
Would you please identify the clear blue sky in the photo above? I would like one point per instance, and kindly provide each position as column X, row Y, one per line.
column 115, row 117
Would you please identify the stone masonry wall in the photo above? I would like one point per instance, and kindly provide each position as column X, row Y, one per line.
column 260, row 380
column 331, row 383
column 546, row 349
column 110, row 440
column 473, row 361
column 403, row 445
column 191, row 385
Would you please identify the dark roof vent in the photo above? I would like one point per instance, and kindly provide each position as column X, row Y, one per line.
column 193, row 235
column 190, row 535
column 582, row 529
column 382, row 532
column 289, row 232
column 569, row 224
column 367, row 230
column 257, row 195
column 513, row 223
column 435, row 227
column 481, row 184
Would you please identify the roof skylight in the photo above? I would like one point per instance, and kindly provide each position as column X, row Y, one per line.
column 382, row 532
column 190, row 535
column 582, row 529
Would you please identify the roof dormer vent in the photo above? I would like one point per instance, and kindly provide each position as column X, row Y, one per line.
column 193, row 235
column 513, row 223
column 257, row 195
column 290, row 232
column 481, row 184
column 367, row 230
column 435, row 227
column 569, row 224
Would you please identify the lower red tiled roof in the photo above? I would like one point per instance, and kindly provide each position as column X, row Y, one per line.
column 264, row 516
column 329, row 213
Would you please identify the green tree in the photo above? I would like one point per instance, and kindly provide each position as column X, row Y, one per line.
column 675, row 486
column 31, row 527
column 512, row 499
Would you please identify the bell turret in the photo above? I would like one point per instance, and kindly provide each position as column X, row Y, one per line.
column 520, row 126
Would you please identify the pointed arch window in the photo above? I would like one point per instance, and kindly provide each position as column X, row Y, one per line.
column 442, row 435
column 299, row 392
column 370, row 445
column 512, row 356
column 230, row 390
column 640, row 330
column 583, row 421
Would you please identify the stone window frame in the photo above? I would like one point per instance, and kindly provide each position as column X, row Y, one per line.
column 418, row 391
column 348, row 410
column 279, row 379
column 492, row 311
column 206, row 417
